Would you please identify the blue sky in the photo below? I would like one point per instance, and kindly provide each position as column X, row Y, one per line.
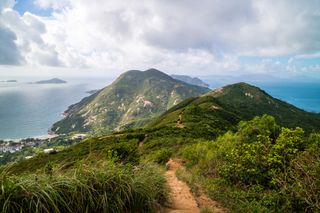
column 205, row 37
column 23, row 6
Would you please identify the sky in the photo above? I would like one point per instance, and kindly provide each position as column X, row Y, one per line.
column 202, row 37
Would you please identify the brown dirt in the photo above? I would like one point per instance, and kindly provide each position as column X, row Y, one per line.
column 182, row 201
column 181, row 198
column 179, row 122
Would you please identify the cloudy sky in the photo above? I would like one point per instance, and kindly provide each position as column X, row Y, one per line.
column 202, row 37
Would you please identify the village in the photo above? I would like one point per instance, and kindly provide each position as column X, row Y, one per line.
column 15, row 146
column 11, row 150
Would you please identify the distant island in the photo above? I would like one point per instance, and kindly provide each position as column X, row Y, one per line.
column 51, row 81
column 190, row 80
column 10, row 81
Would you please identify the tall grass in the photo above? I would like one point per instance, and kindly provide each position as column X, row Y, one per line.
column 107, row 189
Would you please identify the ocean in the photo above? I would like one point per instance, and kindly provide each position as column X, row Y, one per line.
column 303, row 95
column 28, row 110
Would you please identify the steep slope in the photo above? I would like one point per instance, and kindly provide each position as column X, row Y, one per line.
column 190, row 80
column 130, row 101
column 225, row 107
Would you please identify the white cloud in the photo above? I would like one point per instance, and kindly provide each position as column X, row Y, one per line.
column 9, row 53
column 205, row 36
column 29, row 31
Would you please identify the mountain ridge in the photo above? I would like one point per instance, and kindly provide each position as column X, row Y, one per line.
column 232, row 103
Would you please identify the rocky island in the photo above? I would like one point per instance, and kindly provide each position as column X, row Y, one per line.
column 51, row 81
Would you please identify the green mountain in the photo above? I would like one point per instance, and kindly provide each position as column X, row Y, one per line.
column 190, row 80
column 130, row 101
column 223, row 108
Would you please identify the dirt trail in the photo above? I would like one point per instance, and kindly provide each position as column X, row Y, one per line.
column 179, row 122
column 181, row 198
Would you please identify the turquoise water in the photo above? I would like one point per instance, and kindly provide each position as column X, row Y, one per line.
column 28, row 110
column 303, row 95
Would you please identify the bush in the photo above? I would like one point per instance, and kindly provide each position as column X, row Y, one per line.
column 301, row 182
column 260, row 167
column 160, row 156
column 258, row 156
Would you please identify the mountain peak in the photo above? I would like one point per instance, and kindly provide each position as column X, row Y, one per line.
column 130, row 101
column 153, row 70
column 137, row 74
column 238, row 89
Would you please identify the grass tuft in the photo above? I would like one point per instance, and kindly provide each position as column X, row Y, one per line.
column 108, row 189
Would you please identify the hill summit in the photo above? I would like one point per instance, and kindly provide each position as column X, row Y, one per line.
column 132, row 100
column 224, row 107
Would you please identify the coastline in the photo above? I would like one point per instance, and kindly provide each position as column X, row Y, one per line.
column 40, row 137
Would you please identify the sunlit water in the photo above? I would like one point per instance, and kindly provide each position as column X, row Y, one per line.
column 28, row 110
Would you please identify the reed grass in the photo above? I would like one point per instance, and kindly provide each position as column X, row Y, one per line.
column 106, row 189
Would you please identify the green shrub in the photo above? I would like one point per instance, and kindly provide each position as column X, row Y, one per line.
column 259, row 168
column 257, row 156
column 300, row 184
column 160, row 156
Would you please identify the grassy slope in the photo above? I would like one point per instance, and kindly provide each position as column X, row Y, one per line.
column 225, row 107
column 100, row 174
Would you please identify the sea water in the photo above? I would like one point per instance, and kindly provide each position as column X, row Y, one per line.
column 304, row 95
column 29, row 110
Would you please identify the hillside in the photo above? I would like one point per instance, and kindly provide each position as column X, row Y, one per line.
column 190, row 80
column 225, row 107
column 131, row 100
column 259, row 165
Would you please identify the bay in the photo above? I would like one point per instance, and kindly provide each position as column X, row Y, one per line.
column 29, row 110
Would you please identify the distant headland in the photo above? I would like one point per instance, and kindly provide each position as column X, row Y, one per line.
column 51, row 81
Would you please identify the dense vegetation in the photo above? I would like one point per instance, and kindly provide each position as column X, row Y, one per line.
column 261, row 167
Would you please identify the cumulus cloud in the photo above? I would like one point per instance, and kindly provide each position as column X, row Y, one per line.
column 22, row 38
column 204, row 36
column 9, row 53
